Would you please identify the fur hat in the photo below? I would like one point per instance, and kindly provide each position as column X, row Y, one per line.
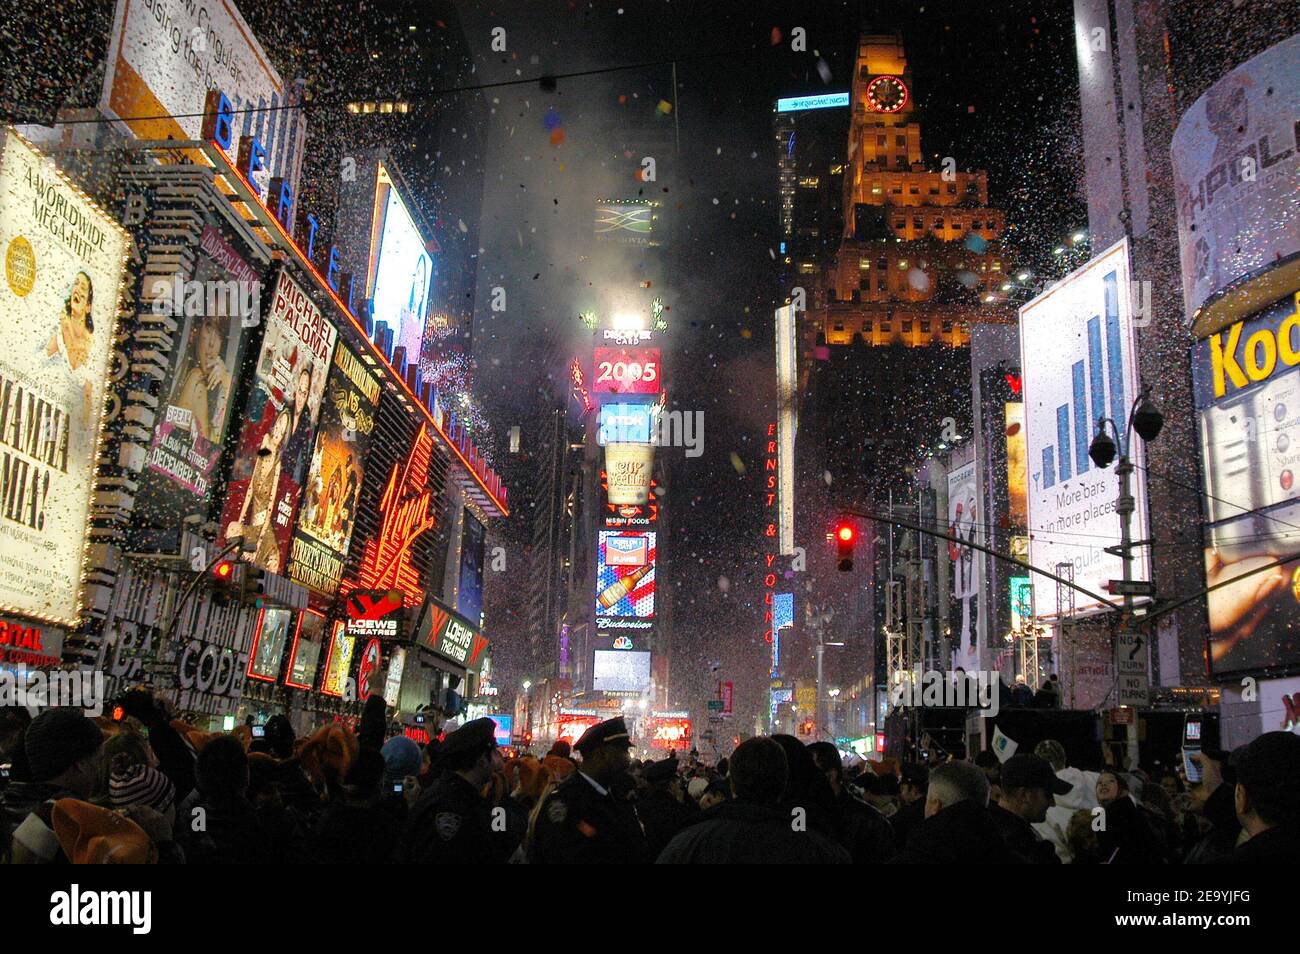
column 328, row 753
column 90, row 835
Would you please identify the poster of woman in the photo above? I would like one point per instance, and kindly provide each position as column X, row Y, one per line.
column 283, row 405
column 64, row 258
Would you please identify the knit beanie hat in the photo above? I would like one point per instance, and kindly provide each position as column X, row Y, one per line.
column 402, row 757
column 90, row 835
column 140, row 785
column 56, row 739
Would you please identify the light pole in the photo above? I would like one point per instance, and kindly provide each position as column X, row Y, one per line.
column 1145, row 418
column 528, row 711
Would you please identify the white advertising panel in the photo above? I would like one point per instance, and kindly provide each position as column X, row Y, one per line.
column 620, row 671
column 63, row 262
column 1079, row 364
column 1236, row 175
column 403, row 275
column 164, row 56
column 966, row 523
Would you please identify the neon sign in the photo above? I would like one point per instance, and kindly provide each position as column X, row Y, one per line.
column 386, row 564
column 580, row 388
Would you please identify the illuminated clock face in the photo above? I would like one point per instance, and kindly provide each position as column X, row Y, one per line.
column 887, row 94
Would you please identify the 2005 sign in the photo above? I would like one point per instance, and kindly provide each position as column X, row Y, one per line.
column 627, row 371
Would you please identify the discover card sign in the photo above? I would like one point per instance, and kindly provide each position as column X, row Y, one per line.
column 1079, row 365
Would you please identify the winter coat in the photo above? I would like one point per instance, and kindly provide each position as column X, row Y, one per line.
column 864, row 832
column 663, row 817
column 1021, row 840
column 1279, row 845
column 745, row 833
column 959, row 834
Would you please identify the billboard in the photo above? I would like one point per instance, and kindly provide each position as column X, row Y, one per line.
column 786, row 423
column 329, row 509
column 626, row 221
column 505, row 727
column 966, row 523
column 197, row 390
column 1078, row 364
column 64, row 259
column 450, row 636
column 1017, row 464
column 796, row 104
column 469, row 594
column 338, row 660
column 622, row 423
column 1246, row 391
column 1022, row 602
column 304, row 656
column 269, row 639
column 1236, row 175
column 274, row 448
column 628, row 470
column 401, row 269
column 670, row 732
column 375, row 614
column 615, row 671
column 164, row 56
column 625, row 575
column 626, row 371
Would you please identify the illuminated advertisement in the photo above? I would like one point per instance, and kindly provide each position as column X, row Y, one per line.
column 1017, row 465
column 24, row 645
column 450, row 636
column 670, row 731
column 628, row 470
column 371, row 661
column 615, row 671
column 797, row 104
column 1022, row 602
column 1236, row 175
column 626, row 371
column 375, row 614
column 393, row 679
column 1246, row 390
column 196, row 393
column 269, row 640
column 406, row 511
column 1078, row 364
column 275, row 447
column 786, row 422
column 469, row 594
column 625, row 575
column 402, row 270
column 338, row 661
column 164, row 56
column 64, row 259
column 627, row 221
column 505, row 727
column 626, row 424
column 965, row 569
column 630, row 515
column 571, row 725
column 304, row 657
column 329, row 507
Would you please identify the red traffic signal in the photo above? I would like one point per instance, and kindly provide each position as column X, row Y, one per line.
column 846, row 535
column 224, row 571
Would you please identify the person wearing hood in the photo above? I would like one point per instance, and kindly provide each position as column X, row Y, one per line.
column 1082, row 794
column 62, row 750
column 231, row 831
column 1127, row 836
column 957, row 828
column 665, row 809
column 402, row 760
column 756, row 827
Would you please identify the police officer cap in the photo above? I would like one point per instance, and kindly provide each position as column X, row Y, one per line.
column 610, row 732
column 475, row 735
column 661, row 771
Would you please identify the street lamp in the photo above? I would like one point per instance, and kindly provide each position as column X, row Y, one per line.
column 528, row 710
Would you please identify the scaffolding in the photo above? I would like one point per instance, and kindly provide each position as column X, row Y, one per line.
column 1065, row 616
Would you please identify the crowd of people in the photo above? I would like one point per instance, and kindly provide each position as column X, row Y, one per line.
column 148, row 788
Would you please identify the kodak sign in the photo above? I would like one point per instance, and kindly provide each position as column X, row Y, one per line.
column 1238, row 363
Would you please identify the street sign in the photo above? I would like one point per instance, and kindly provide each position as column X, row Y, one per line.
column 1131, row 587
column 1132, row 668
column 716, row 705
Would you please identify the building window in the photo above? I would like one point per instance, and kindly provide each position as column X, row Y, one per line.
column 957, row 226
column 952, row 188
column 808, row 182
column 882, row 263
column 925, row 327
column 900, row 224
column 977, row 225
column 918, row 222
column 915, row 190
column 807, row 268
column 947, row 327
column 864, row 264
column 996, row 266
column 898, row 190
column 938, row 223
column 885, row 327
column 934, row 190
column 907, row 326
column 880, row 140
column 837, row 170
column 900, row 141
column 839, row 327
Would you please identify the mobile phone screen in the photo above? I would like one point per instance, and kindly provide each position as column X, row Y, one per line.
column 259, row 731
column 1190, row 765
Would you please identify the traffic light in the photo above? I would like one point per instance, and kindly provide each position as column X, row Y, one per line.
column 253, row 585
column 223, row 574
column 846, row 535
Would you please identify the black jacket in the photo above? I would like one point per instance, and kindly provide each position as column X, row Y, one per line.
column 1128, row 837
column 864, row 831
column 1276, row 846
column 746, row 834
column 450, row 824
column 352, row 832
column 1218, row 845
column 663, row 817
column 578, row 825
column 960, row 834
column 1021, row 839
column 906, row 819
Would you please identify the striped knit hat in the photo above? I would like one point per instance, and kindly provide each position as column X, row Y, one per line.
column 140, row 785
